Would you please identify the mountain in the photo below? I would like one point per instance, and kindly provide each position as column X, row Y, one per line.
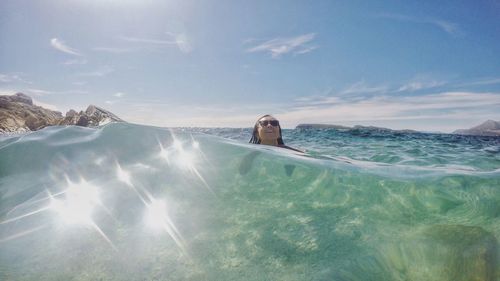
column 488, row 128
column 18, row 114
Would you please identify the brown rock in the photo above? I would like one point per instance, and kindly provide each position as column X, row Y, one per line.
column 18, row 114
column 71, row 113
column 83, row 121
column 22, row 98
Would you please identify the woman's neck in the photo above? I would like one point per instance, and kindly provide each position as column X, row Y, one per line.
column 269, row 142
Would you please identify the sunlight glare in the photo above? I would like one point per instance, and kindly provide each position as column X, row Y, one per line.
column 157, row 219
column 164, row 154
column 177, row 145
column 156, row 214
column 196, row 145
column 78, row 204
column 123, row 175
column 185, row 160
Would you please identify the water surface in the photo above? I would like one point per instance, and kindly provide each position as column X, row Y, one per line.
column 131, row 202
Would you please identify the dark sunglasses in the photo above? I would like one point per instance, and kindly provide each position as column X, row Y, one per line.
column 273, row 123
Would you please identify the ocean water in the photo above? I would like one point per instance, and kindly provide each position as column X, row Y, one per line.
column 133, row 202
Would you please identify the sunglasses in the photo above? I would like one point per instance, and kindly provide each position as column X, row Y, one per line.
column 273, row 123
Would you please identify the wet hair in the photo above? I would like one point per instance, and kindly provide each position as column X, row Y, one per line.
column 255, row 134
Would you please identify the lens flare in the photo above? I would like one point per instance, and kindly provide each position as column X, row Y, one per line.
column 23, row 233
column 183, row 157
column 157, row 219
column 78, row 204
column 180, row 157
column 156, row 214
column 177, row 145
column 196, row 145
column 164, row 154
column 185, row 160
column 123, row 175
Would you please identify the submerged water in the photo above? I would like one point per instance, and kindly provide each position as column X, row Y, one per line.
column 130, row 202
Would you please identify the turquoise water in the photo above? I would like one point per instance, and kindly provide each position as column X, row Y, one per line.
column 130, row 202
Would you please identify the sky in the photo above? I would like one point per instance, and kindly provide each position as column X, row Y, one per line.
column 423, row 65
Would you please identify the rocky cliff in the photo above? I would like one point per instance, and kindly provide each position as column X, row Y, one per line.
column 18, row 114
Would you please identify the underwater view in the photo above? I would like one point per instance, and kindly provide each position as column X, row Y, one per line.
column 135, row 202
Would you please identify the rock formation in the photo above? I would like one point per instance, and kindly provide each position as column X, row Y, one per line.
column 92, row 117
column 18, row 114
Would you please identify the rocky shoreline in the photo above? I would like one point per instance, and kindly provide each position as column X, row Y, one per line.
column 18, row 114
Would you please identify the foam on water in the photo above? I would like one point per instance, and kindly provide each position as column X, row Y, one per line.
column 130, row 202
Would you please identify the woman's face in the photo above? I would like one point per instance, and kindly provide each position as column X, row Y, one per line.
column 268, row 129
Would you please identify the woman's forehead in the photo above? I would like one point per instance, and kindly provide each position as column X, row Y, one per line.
column 267, row 118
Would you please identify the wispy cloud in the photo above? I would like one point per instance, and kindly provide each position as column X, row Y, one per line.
column 182, row 41
column 61, row 46
column 281, row 46
column 46, row 105
column 7, row 91
column 37, row 92
column 119, row 95
column 362, row 91
column 16, row 77
column 312, row 102
column 113, row 50
column 148, row 41
column 75, row 62
column 5, row 78
column 363, row 88
column 420, row 83
column 446, row 26
column 43, row 92
column 306, row 50
column 179, row 40
column 446, row 105
column 101, row 72
column 481, row 82
column 79, row 83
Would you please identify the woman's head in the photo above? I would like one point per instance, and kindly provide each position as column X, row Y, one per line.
column 267, row 130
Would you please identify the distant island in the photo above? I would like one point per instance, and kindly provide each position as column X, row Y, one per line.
column 357, row 127
column 488, row 128
column 18, row 114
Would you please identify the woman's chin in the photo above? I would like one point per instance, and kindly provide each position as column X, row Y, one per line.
column 269, row 136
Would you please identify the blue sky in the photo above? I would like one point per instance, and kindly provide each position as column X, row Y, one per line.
column 425, row 65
